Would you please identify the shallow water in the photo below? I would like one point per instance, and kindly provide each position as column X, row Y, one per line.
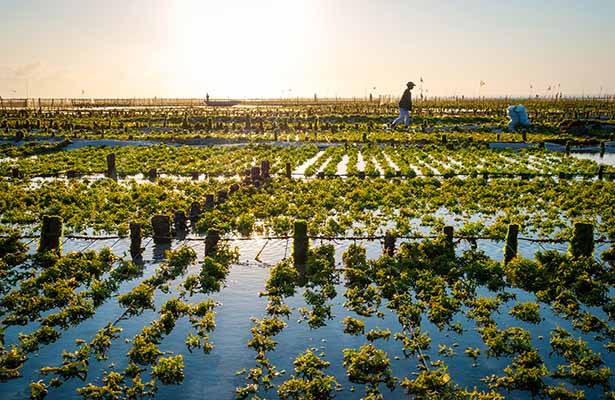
column 214, row 374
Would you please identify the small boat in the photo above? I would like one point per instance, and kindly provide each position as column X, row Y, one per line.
column 222, row 103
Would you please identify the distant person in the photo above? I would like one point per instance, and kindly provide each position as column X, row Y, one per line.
column 207, row 97
column 405, row 106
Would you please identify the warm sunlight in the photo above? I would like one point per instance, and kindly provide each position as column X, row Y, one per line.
column 249, row 44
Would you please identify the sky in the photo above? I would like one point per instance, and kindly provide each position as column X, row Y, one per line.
column 298, row 48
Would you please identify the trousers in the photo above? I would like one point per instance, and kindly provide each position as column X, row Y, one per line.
column 404, row 116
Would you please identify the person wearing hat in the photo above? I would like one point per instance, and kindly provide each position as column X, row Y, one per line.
column 405, row 106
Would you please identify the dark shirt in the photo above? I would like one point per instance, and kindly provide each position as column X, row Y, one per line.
column 406, row 100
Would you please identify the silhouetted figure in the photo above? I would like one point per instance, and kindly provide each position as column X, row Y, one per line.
column 405, row 106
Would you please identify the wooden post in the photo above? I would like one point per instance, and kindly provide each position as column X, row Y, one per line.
column 209, row 201
column 511, row 247
column 135, row 240
column 111, row 170
column 444, row 140
column 233, row 188
column 600, row 172
column 582, row 242
column 179, row 222
column 152, row 174
column 195, row 214
column 288, row 171
column 195, row 176
column 602, row 149
column 51, row 232
column 222, row 196
column 255, row 174
column 265, row 169
column 15, row 173
column 300, row 245
column 486, row 175
column 389, row 243
column 361, row 174
column 211, row 242
column 161, row 225
column 568, row 147
column 448, row 234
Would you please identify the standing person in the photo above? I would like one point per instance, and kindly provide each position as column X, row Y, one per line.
column 405, row 106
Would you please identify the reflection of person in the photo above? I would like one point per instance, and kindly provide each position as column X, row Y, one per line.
column 405, row 106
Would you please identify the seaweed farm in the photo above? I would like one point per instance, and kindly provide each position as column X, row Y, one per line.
column 304, row 250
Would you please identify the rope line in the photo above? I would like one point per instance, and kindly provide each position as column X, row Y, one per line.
column 313, row 237
column 490, row 174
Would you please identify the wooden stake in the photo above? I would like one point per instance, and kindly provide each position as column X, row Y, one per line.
column 511, row 247
column 135, row 240
column 111, row 170
column 211, row 242
column 51, row 232
column 582, row 242
column 300, row 245
column 389, row 243
column 161, row 225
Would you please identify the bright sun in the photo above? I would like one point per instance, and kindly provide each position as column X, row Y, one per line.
column 239, row 47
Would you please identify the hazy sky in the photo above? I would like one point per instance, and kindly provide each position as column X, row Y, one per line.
column 272, row 48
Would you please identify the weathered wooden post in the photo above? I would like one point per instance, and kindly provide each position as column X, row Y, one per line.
column 222, row 196
column 179, row 223
column 568, row 147
column 16, row 173
column 361, row 174
column 485, row 175
column 300, row 246
column 600, row 172
column 255, row 174
column 161, row 225
column 195, row 175
column 211, row 242
column 444, row 140
column 195, row 213
column 209, row 201
column 389, row 243
column 233, row 188
column 288, row 171
column 135, row 240
column 51, row 232
column 152, row 174
column 602, row 149
column 111, row 170
column 265, row 169
column 512, row 244
column 582, row 242
column 448, row 234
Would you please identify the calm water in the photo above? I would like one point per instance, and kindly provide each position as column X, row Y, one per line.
column 213, row 375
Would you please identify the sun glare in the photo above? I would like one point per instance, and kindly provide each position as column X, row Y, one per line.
column 241, row 42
